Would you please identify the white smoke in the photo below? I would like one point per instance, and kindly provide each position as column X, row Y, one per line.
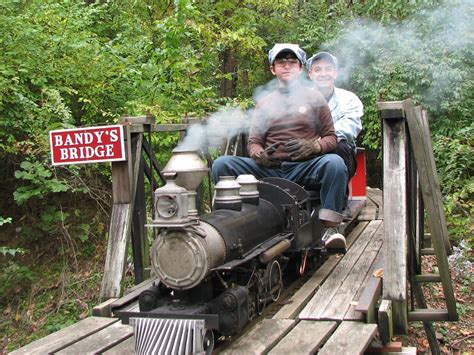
column 438, row 41
column 227, row 123
column 218, row 128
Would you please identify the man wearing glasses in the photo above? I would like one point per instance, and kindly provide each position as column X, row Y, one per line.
column 291, row 136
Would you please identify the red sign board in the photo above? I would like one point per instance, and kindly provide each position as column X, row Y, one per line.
column 87, row 145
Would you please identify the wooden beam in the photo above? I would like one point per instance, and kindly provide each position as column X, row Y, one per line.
column 427, row 278
column 427, row 251
column 428, row 315
column 385, row 321
column 124, row 186
column 395, row 219
column 423, row 151
column 103, row 309
column 371, row 293
column 119, row 233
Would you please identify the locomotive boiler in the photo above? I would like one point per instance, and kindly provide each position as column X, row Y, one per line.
column 216, row 272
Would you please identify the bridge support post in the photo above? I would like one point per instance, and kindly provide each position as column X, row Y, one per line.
column 395, row 215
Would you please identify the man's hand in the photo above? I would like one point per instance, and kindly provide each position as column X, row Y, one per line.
column 302, row 149
column 264, row 159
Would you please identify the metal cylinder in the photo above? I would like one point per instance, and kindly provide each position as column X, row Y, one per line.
column 227, row 194
column 274, row 251
column 248, row 190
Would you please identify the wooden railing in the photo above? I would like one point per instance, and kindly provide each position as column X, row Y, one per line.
column 411, row 190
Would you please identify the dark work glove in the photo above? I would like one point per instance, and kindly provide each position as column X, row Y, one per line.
column 303, row 149
column 264, row 159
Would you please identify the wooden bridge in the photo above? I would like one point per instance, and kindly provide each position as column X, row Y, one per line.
column 353, row 304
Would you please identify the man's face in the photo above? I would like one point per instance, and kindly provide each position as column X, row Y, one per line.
column 323, row 73
column 286, row 67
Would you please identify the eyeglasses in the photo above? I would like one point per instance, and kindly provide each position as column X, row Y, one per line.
column 281, row 62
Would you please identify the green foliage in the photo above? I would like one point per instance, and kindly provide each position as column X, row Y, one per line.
column 13, row 278
column 40, row 182
column 455, row 163
column 5, row 220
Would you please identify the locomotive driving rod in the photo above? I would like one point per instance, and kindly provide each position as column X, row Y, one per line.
column 274, row 251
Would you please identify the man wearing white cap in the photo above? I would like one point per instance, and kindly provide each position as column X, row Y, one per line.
column 345, row 106
column 291, row 136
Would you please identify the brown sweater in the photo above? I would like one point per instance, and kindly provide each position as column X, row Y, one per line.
column 283, row 115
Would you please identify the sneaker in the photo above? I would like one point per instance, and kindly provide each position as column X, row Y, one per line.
column 332, row 239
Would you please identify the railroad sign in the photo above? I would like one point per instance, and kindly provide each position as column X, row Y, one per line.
column 87, row 145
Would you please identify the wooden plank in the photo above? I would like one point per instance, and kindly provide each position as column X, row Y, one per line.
column 440, row 228
column 65, row 337
column 341, row 301
column 103, row 309
column 138, row 120
column 305, row 338
column 126, row 347
column 376, row 195
column 428, row 314
column 132, row 294
column 261, row 338
column 385, row 321
column 349, row 338
column 323, row 296
column 123, row 189
column 301, row 297
column 395, row 220
column 368, row 296
column 170, row 127
column 99, row 342
column 122, row 178
column 368, row 213
column 116, row 250
column 140, row 243
column 427, row 278
column 423, row 151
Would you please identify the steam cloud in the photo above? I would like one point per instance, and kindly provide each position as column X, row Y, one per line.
column 438, row 40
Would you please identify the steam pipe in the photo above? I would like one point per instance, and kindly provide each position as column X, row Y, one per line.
column 274, row 251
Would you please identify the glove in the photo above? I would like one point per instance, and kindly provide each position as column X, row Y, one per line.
column 302, row 149
column 262, row 158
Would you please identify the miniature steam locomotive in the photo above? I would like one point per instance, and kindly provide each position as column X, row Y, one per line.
column 217, row 271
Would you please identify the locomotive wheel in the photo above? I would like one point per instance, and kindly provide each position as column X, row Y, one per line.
column 275, row 282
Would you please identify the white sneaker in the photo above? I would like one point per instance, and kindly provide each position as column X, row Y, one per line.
column 332, row 239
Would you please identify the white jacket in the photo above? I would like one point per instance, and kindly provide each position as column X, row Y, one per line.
column 347, row 111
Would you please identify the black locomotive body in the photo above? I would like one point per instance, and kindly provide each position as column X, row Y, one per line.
column 217, row 271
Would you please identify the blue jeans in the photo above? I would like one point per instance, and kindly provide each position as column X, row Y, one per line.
column 326, row 173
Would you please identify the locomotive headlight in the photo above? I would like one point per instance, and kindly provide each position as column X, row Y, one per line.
column 166, row 206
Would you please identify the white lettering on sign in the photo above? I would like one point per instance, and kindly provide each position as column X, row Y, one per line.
column 101, row 151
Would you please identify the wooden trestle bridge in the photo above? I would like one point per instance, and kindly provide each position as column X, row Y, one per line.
column 352, row 304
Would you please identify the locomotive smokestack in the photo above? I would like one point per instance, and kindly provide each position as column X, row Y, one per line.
column 190, row 170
